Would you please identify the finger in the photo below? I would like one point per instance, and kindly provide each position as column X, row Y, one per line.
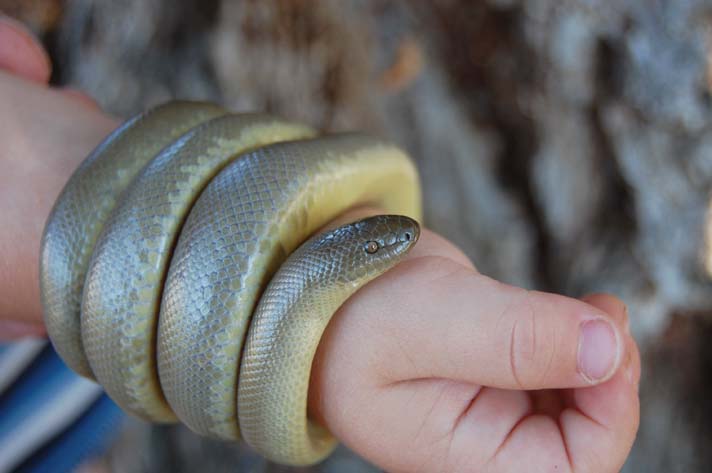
column 446, row 425
column 632, row 364
column 21, row 54
column 600, row 428
column 431, row 317
column 14, row 330
column 611, row 305
column 534, row 444
column 80, row 97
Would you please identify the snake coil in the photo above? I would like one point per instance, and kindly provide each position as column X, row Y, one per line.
column 169, row 273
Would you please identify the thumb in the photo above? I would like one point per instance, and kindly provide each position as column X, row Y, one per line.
column 20, row 53
column 432, row 317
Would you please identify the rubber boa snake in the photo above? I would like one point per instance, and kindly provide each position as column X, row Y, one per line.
column 179, row 268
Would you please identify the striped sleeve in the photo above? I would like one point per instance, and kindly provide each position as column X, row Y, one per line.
column 50, row 419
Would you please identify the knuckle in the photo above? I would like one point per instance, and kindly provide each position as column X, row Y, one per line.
column 531, row 346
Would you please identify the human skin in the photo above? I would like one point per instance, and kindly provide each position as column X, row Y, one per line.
column 431, row 367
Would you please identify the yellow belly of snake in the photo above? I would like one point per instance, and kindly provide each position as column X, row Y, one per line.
column 169, row 272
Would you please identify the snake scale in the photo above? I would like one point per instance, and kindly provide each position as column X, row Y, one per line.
column 180, row 270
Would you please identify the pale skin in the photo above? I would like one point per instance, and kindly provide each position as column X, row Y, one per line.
column 431, row 367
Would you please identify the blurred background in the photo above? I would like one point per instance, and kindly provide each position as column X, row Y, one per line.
column 565, row 145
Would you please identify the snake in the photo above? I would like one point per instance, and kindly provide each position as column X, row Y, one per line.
column 184, row 267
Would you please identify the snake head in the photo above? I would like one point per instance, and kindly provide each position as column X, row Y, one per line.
column 362, row 250
column 386, row 236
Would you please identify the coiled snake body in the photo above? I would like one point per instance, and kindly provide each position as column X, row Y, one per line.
column 162, row 245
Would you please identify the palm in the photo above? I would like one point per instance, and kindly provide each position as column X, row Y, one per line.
column 432, row 419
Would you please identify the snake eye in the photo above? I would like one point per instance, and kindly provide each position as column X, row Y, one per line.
column 407, row 236
column 371, row 247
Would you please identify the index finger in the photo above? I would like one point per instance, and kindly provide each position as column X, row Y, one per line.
column 600, row 426
column 20, row 53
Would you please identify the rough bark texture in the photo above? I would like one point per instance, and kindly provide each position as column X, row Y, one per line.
column 564, row 145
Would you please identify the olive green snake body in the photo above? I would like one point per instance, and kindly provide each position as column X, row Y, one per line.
column 169, row 274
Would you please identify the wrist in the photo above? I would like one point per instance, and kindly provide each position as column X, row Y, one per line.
column 44, row 135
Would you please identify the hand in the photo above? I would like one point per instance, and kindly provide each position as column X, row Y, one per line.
column 434, row 367
column 431, row 367
column 44, row 135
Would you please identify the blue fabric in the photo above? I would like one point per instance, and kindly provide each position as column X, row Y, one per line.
column 88, row 437
column 37, row 387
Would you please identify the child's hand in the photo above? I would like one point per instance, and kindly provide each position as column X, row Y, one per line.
column 434, row 367
column 44, row 135
column 431, row 367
